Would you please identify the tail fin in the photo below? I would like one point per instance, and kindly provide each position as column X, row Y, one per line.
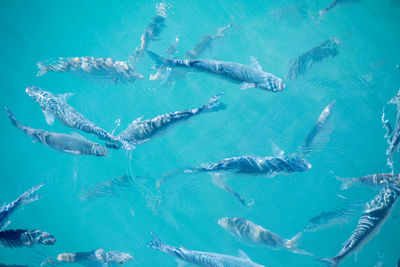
column 43, row 69
column 213, row 105
column 12, row 118
column 346, row 182
column 160, row 61
column 30, row 195
column 156, row 244
column 328, row 262
column 291, row 244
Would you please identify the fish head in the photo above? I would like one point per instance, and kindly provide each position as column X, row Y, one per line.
column 299, row 164
column 119, row 257
column 311, row 227
column 224, row 222
column 271, row 83
column 99, row 150
column 37, row 94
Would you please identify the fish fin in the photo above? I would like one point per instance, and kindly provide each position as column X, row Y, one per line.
column 243, row 255
column 49, row 117
column 12, row 118
column 66, row 96
column 245, row 86
column 180, row 263
column 127, row 146
column 7, row 223
column 73, row 152
column 43, row 69
column 346, row 182
column 160, row 61
column 277, row 151
column 292, row 243
column 213, row 104
column 328, row 262
column 254, row 63
column 30, row 196
column 137, row 120
column 156, row 244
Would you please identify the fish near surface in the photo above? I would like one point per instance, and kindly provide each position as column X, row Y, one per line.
column 369, row 224
column 247, row 75
column 256, row 234
column 72, row 144
column 208, row 259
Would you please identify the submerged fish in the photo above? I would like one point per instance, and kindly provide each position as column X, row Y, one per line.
column 378, row 179
column 303, row 63
column 369, row 224
column 268, row 166
column 256, row 234
column 27, row 197
column 249, row 76
column 142, row 131
column 153, row 30
column 106, row 69
column 95, row 258
column 73, row 144
column 319, row 126
column 209, row 259
column 109, row 188
column 332, row 5
column 27, row 238
column 57, row 106
column 392, row 135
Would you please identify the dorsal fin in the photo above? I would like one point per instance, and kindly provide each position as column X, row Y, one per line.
column 243, row 255
column 65, row 96
column 254, row 63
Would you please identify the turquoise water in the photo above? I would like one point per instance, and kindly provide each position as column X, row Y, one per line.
column 184, row 211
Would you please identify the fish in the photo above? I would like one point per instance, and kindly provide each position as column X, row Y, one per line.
column 303, row 63
column 373, row 180
column 109, row 188
column 72, row 144
column 209, row 259
column 142, row 131
column 28, row 197
column 377, row 212
column 333, row 4
column 319, row 126
column 249, row 76
column 57, row 106
column 393, row 134
column 104, row 69
column 258, row 235
column 25, row 238
column 94, row 258
column 153, row 30
column 254, row 165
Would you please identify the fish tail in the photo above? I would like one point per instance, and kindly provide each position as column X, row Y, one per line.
column 328, row 262
column 30, row 195
column 214, row 105
column 160, row 61
column 292, row 244
column 346, row 182
column 43, row 69
column 156, row 244
column 12, row 118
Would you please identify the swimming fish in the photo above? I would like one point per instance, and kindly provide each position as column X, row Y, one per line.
column 95, row 258
column 256, row 234
column 153, row 30
column 332, row 5
column 27, row 238
column 378, row 179
column 73, row 144
column 209, row 259
column 250, row 76
column 90, row 67
column 369, row 224
column 303, row 63
column 109, row 188
column 268, row 166
column 319, row 126
column 142, row 131
column 392, row 135
column 27, row 197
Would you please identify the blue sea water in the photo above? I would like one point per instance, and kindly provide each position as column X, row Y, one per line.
column 362, row 78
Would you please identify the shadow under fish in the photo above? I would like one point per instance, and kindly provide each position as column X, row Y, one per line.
column 72, row 144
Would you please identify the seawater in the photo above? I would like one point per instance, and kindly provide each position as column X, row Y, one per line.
column 185, row 210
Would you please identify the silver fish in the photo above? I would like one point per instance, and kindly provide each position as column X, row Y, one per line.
column 95, row 258
column 208, row 259
column 26, row 238
column 369, row 224
column 90, row 67
column 73, row 144
column 258, row 235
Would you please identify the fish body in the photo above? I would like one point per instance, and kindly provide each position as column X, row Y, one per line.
column 25, row 238
column 73, row 144
column 303, row 63
column 27, row 197
column 369, row 224
column 105, row 69
column 141, row 131
column 268, row 166
column 249, row 76
column 256, row 234
column 57, row 106
column 95, row 258
column 208, row 259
